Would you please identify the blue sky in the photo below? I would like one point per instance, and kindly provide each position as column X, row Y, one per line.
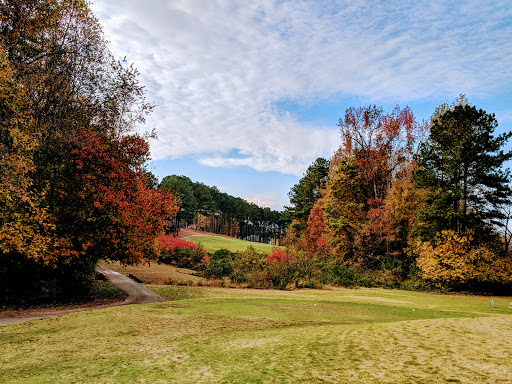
column 249, row 93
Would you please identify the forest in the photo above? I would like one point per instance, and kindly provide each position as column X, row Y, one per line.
column 400, row 204
column 208, row 209
column 406, row 204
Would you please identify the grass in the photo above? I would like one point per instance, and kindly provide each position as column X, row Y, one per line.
column 158, row 273
column 213, row 243
column 215, row 335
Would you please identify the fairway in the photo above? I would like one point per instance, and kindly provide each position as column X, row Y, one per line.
column 216, row 335
column 213, row 243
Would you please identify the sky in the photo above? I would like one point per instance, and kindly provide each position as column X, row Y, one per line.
column 249, row 93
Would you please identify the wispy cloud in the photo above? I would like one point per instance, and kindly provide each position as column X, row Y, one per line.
column 270, row 199
column 216, row 69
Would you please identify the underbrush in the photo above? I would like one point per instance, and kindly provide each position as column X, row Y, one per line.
column 282, row 269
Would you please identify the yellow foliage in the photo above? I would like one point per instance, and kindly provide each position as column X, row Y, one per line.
column 24, row 225
column 453, row 258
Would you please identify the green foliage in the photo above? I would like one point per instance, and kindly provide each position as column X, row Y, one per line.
column 211, row 210
column 183, row 188
column 462, row 166
column 183, row 257
column 220, row 265
column 304, row 194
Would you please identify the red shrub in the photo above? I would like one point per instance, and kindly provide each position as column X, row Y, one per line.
column 171, row 243
column 278, row 256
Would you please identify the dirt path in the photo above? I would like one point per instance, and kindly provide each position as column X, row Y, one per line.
column 137, row 294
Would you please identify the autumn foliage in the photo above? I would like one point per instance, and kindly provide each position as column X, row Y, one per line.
column 278, row 256
column 400, row 207
column 170, row 243
column 72, row 167
column 455, row 259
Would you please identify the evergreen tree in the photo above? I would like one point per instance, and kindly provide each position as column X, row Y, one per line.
column 183, row 188
column 304, row 194
column 462, row 165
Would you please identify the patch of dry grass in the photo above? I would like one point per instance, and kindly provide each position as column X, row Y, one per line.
column 158, row 273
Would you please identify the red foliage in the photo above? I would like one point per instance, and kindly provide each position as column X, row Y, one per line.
column 107, row 188
column 278, row 256
column 383, row 144
column 170, row 243
column 317, row 232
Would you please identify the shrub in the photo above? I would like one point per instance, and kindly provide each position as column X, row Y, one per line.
column 248, row 268
column 336, row 274
column 183, row 253
column 220, row 264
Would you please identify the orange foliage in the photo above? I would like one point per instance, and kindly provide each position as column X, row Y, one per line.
column 317, row 235
column 108, row 184
column 453, row 258
column 278, row 256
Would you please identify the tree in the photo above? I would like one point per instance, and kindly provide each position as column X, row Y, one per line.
column 24, row 224
column 461, row 164
column 75, row 164
column 304, row 194
column 383, row 145
column 454, row 259
column 205, row 203
column 183, row 188
column 375, row 152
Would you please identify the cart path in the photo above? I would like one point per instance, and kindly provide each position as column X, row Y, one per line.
column 137, row 294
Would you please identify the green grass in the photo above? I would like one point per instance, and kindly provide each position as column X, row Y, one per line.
column 216, row 335
column 213, row 243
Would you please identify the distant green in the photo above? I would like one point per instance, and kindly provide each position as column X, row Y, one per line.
column 213, row 243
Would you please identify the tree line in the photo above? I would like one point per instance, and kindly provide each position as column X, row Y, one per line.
column 72, row 165
column 423, row 204
column 208, row 209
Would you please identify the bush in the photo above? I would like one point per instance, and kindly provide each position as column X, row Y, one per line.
column 335, row 274
column 220, row 264
column 248, row 268
column 179, row 252
column 455, row 260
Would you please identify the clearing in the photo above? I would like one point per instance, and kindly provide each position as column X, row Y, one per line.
column 213, row 242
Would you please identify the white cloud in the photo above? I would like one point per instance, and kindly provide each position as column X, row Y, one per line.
column 270, row 199
column 217, row 68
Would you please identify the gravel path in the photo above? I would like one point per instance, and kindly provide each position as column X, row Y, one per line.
column 137, row 294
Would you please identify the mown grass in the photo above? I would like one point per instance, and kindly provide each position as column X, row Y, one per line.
column 213, row 243
column 215, row 335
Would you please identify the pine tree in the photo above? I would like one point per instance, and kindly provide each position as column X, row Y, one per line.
column 462, row 165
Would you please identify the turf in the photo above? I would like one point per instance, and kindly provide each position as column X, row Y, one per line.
column 215, row 335
column 213, row 243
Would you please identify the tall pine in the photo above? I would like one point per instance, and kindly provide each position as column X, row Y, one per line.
column 461, row 164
